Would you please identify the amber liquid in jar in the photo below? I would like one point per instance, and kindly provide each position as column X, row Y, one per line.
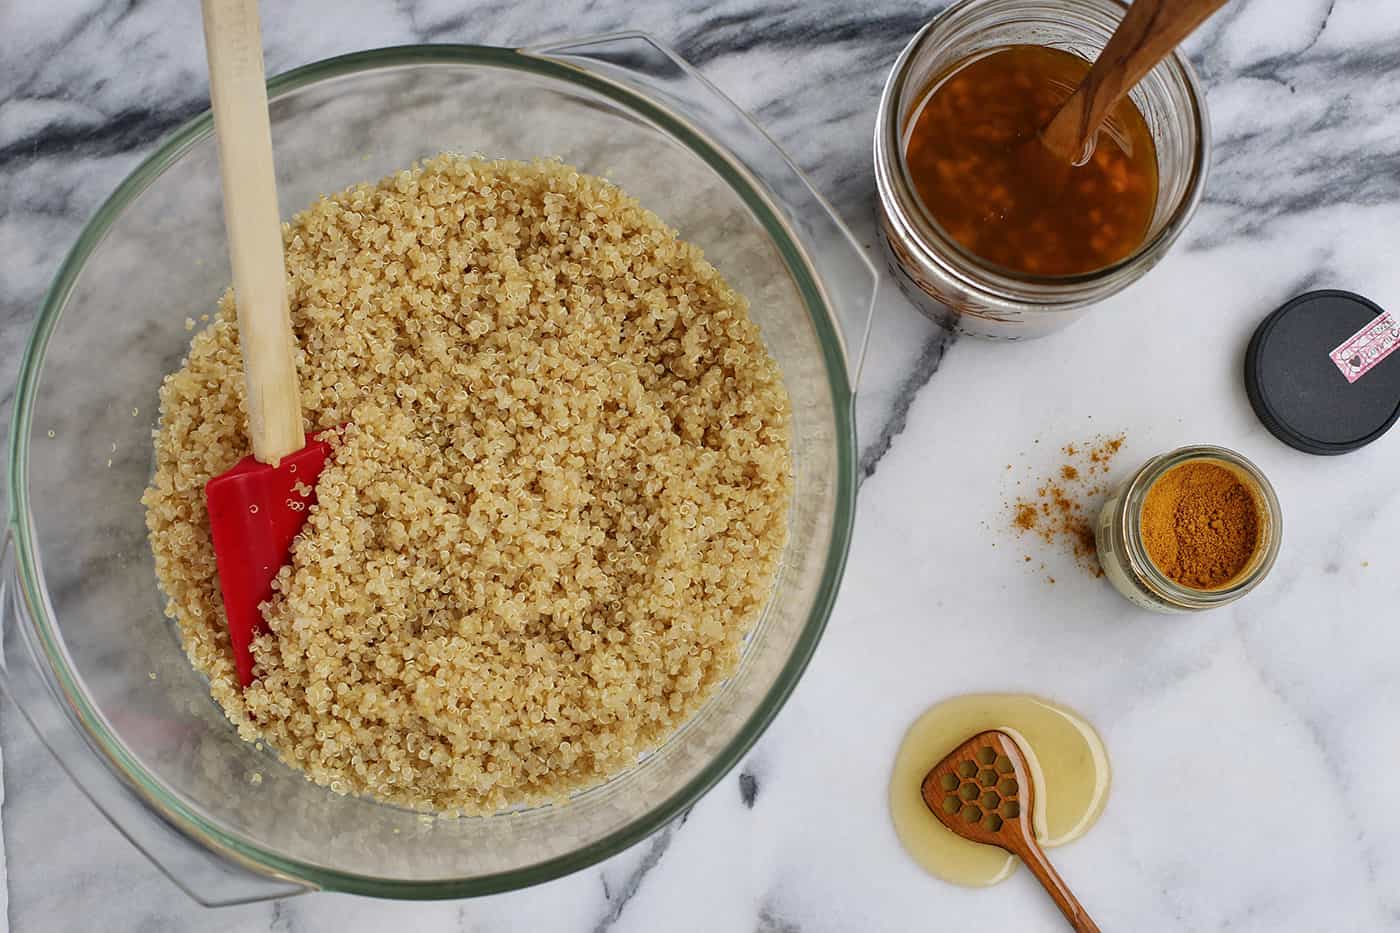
column 973, row 157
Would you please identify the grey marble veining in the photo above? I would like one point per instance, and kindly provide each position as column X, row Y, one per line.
column 1292, row 692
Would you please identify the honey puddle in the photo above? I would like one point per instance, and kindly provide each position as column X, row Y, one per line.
column 1065, row 755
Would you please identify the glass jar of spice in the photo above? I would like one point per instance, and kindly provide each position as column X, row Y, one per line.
column 955, row 287
column 1193, row 529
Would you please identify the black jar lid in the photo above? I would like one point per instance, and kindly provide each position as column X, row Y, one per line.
column 1301, row 394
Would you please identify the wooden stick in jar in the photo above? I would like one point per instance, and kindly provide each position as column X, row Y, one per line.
column 1148, row 33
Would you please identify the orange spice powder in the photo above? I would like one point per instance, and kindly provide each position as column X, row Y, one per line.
column 1200, row 525
column 1061, row 512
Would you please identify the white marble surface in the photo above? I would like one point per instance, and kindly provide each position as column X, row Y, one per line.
column 1254, row 748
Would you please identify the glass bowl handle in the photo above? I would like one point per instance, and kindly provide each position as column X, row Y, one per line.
column 207, row 877
column 646, row 67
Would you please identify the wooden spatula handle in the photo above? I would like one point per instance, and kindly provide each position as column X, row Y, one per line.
column 238, row 94
column 1149, row 31
column 1055, row 886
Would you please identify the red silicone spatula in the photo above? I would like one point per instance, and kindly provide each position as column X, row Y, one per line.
column 254, row 509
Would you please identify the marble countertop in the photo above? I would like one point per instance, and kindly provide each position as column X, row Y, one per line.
column 1254, row 748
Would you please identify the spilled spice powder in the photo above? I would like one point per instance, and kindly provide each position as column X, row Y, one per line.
column 1061, row 513
column 1200, row 525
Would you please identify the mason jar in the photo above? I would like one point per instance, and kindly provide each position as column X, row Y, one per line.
column 1131, row 570
column 948, row 283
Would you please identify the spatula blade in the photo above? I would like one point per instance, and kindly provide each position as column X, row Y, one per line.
column 255, row 511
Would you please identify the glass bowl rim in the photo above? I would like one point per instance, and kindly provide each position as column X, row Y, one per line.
column 232, row 844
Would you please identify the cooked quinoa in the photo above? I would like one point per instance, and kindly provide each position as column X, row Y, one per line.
column 557, row 499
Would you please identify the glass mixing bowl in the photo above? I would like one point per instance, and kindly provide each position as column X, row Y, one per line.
column 89, row 656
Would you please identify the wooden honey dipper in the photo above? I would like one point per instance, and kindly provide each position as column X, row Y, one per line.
column 984, row 792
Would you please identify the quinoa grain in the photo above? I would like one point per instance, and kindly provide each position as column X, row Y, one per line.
column 556, row 503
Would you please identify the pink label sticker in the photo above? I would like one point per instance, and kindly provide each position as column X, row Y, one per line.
column 1363, row 351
